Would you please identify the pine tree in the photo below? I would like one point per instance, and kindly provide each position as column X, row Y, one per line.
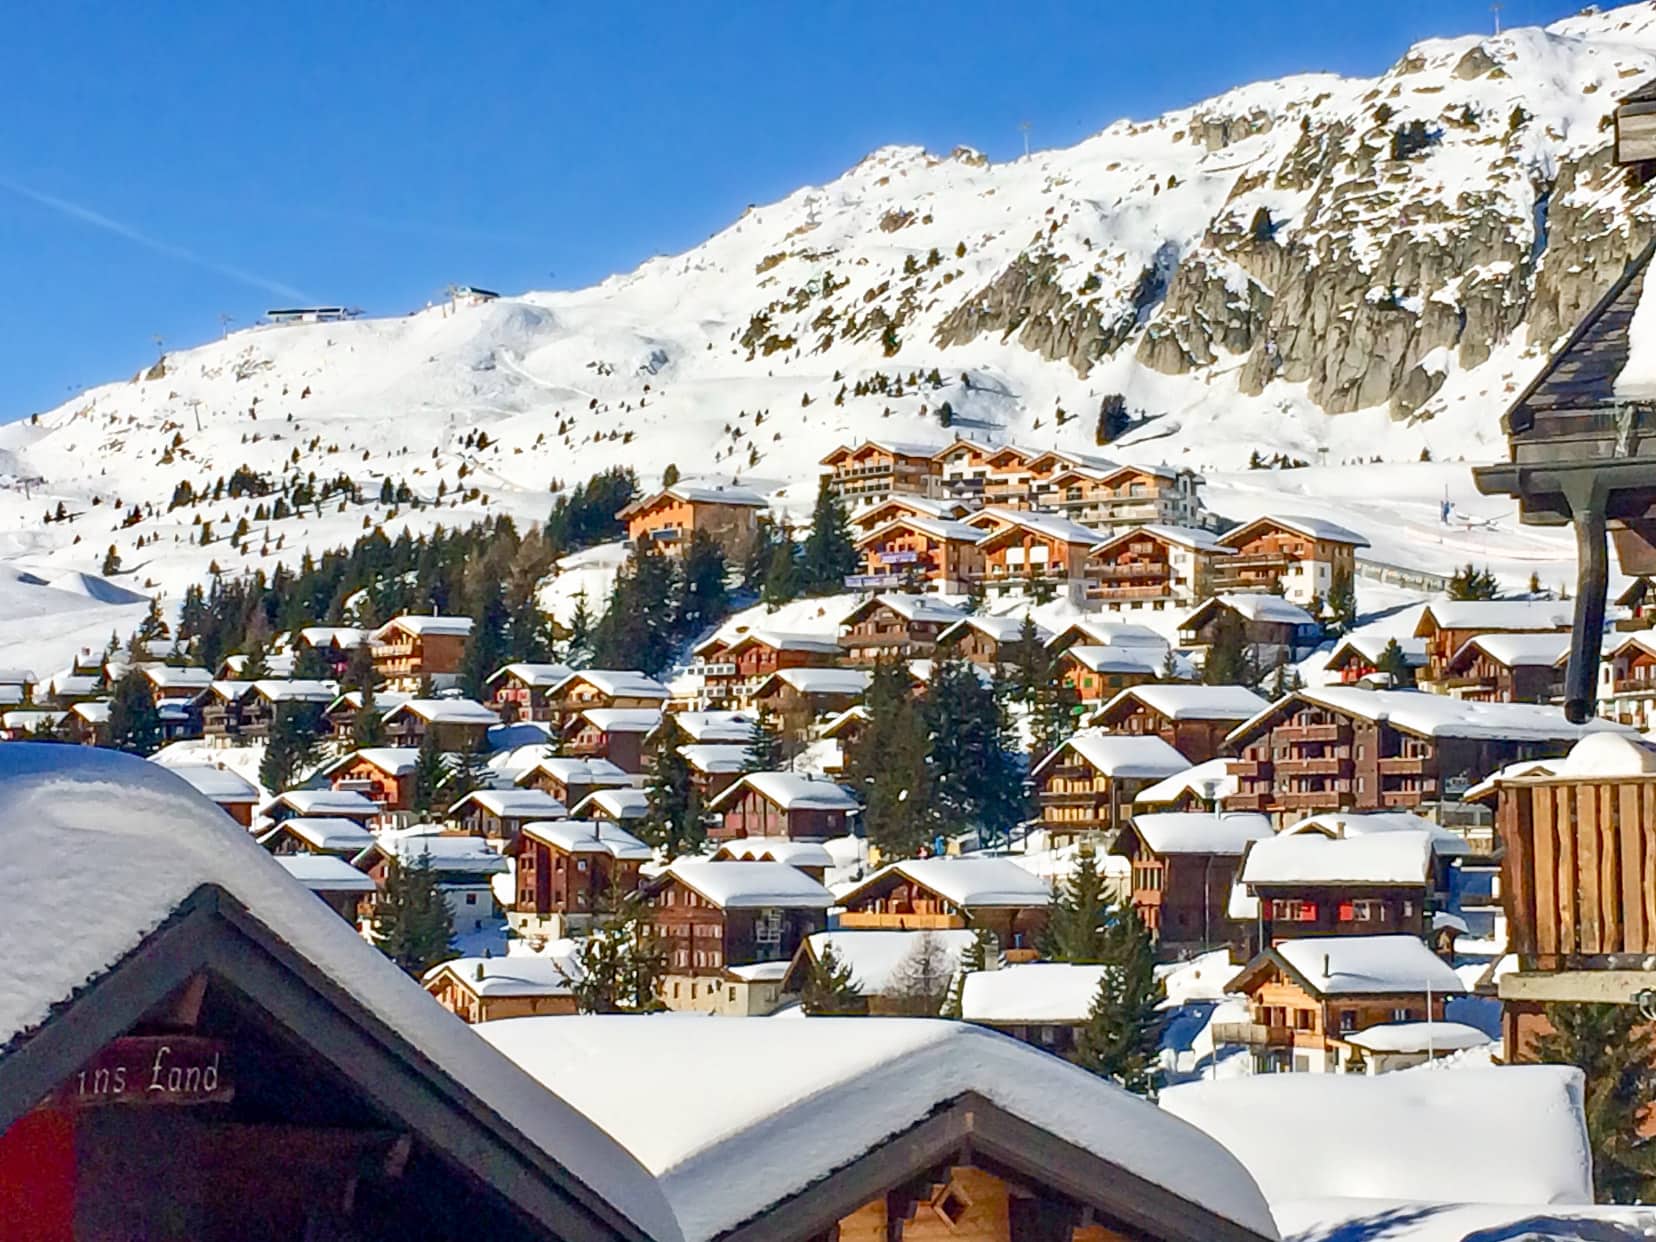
column 889, row 769
column 486, row 644
column 829, row 554
column 982, row 954
column 291, row 749
column 1395, row 665
column 702, row 598
column 134, row 721
column 578, row 645
column 975, row 778
column 255, row 667
column 1078, row 926
column 368, row 726
column 1470, row 582
column 621, row 963
column 153, row 628
column 764, row 746
column 1230, row 660
column 920, row 982
column 1615, row 1048
column 1341, row 605
column 1123, row 1029
column 831, row 988
column 781, row 584
column 1031, row 666
column 111, row 562
column 430, row 773
column 413, row 925
column 636, row 630
column 673, row 823
column 309, row 664
column 1051, row 716
column 467, row 772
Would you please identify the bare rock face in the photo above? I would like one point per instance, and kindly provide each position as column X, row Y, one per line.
column 1476, row 63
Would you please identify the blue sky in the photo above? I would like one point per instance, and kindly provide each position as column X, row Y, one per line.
column 162, row 165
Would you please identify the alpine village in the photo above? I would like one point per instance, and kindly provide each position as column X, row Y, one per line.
column 979, row 840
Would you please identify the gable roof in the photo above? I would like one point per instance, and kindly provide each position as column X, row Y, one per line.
column 1033, row 993
column 1446, row 842
column 620, row 719
column 1356, row 966
column 1206, row 781
column 1201, row 832
column 1258, row 606
column 1489, row 615
column 447, row 711
column 774, row 849
column 420, row 626
column 1095, row 632
column 536, row 676
column 751, row 885
column 212, row 781
column 172, row 874
column 1320, row 529
column 1189, row 702
column 326, row 873
column 998, row 629
column 554, row 971
column 329, row 834
column 617, row 683
column 970, row 882
column 171, row 677
column 709, row 726
column 1383, row 859
column 790, row 791
column 570, row 771
column 1434, row 715
column 1121, row 756
column 514, row 803
column 1047, row 525
column 1110, row 658
column 1513, row 650
column 817, row 680
column 874, row 955
column 764, row 1123
column 698, row 492
column 392, row 760
column 715, row 758
column 344, row 803
column 1370, row 647
column 618, row 802
column 588, row 836
column 947, row 529
column 781, row 640
column 918, row 608
column 1192, row 537
column 897, row 448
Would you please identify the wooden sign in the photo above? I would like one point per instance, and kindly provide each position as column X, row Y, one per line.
column 151, row 1070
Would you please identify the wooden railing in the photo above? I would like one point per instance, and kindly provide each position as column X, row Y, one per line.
column 1579, row 876
column 1253, row 1034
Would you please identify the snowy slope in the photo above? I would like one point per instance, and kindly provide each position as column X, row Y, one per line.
column 1396, row 305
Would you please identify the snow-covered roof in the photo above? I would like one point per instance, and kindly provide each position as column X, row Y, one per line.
column 1438, row 715
column 312, row 802
column 1257, row 606
column 1206, row 781
column 944, row 528
column 1126, row 658
column 536, row 676
column 1193, row 537
column 791, row 791
column 392, row 760
column 752, row 885
column 780, row 640
column 1311, row 527
column 1099, row 633
column 1515, row 650
column 1178, row 701
column 446, row 852
column 899, row 448
column 303, row 690
column 219, row 784
column 999, row 629
column 569, row 771
column 328, row 833
column 1047, row 525
column 775, row 849
column 1357, row 965
column 704, row 492
column 171, row 677
column 1530, row 1143
column 1403, row 858
column 326, row 873
column 81, row 819
column 918, row 608
column 619, row 802
column 617, row 683
column 1446, row 842
column 970, row 882
column 716, row 758
column 588, row 836
column 1201, row 832
column 1036, row 992
column 1370, row 647
column 552, row 972
column 94, row 712
column 622, row 719
column 339, row 635
column 413, row 623
column 1121, row 756
column 1418, row 1037
column 1491, row 615
column 762, row 1119
column 514, row 803
column 712, row 726
column 820, row 680
column 447, row 711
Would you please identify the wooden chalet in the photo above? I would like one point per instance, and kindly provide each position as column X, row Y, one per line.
column 1097, row 674
column 615, row 734
column 63, row 690
column 604, row 687
column 1193, row 719
column 1300, row 558
column 1153, row 567
column 919, row 554
column 17, row 687
column 710, row 916
column 935, row 894
column 800, row 696
column 894, row 627
column 1086, row 786
column 215, row 1054
column 1639, row 604
column 867, row 520
column 1627, row 681
column 463, row 866
column 567, row 869
column 520, row 692
column 410, row 651
column 1273, row 629
column 321, row 834
column 382, row 774
column 1183, row 866
column 624, row 806
column 1448, row 625
column 1093, row 631
column 339, row 718
column 963, row 468
column 235, row 795
column 988, row 642
column 459, row 725
column 571, row 780
column 330, row 879
column 1305, row 997
column 733, row 668
column 321, row 804
column 714, row 766
column 1310, row 885
column 500, row 814
column 519, row 985
column 808, row 856
column 875, row 469
column 783, row 804
column 170, row 683
column 845, row 731
column 1043, row 1004
column 336, row 644
column 1507, row 668
column 1340, row 748
column 1579, row 847
column 1356, row 660
column 239, row 712
column 670, row 519
column 87, row 723
column 1113, row 499
column 935, row 1131
column 1040, row 555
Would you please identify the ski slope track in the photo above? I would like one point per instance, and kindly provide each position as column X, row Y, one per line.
column 1274, row 270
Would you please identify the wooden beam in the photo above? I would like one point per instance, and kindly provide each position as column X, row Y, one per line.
column 1609, row 879
column 1634, row 868
column 1545, row 871
column 1586, row 886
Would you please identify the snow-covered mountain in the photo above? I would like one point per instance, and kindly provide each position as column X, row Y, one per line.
column 1336, row 269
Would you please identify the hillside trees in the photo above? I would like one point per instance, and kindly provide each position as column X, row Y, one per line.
column 976, row 780
column 1123, row 1029
column 829, row 554
column 134, row 720
column 413, row 925
column 889, row 768
column 1470, row 582
column 831, row 989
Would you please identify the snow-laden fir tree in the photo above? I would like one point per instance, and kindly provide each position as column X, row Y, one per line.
column 134, row 720
column 976, row 779
column 830, row 988
column 1078, row 924
column 413, row 925
column 982, row 954
column 1122, row 1034
column 889, row 766
column 829, row 554
column 291, row 749
column 621, row 963
column 673, row 822
column 764, row 744
column 430, row 775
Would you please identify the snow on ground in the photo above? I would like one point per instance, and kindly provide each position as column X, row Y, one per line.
column 244, row 761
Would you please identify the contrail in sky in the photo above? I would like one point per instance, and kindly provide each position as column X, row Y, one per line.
column 98, row 220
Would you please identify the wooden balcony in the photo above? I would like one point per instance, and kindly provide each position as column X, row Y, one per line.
column 1250, row 801
column 1322, row 799
column 1324, row 766
column 1251, row 769
column 1633, row 685
column 880, row 920
column 1404, row 765
column 1130, row 573
column 1075, row 797
column 1307, row 732
column 1253, row 1034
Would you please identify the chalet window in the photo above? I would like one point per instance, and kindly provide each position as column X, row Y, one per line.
column 1402, row 1015
column 1304, row 1019
column 581, row 866
column 767, row 928
column 1291, row 911
column 1348, row 1020
column 471, row 899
